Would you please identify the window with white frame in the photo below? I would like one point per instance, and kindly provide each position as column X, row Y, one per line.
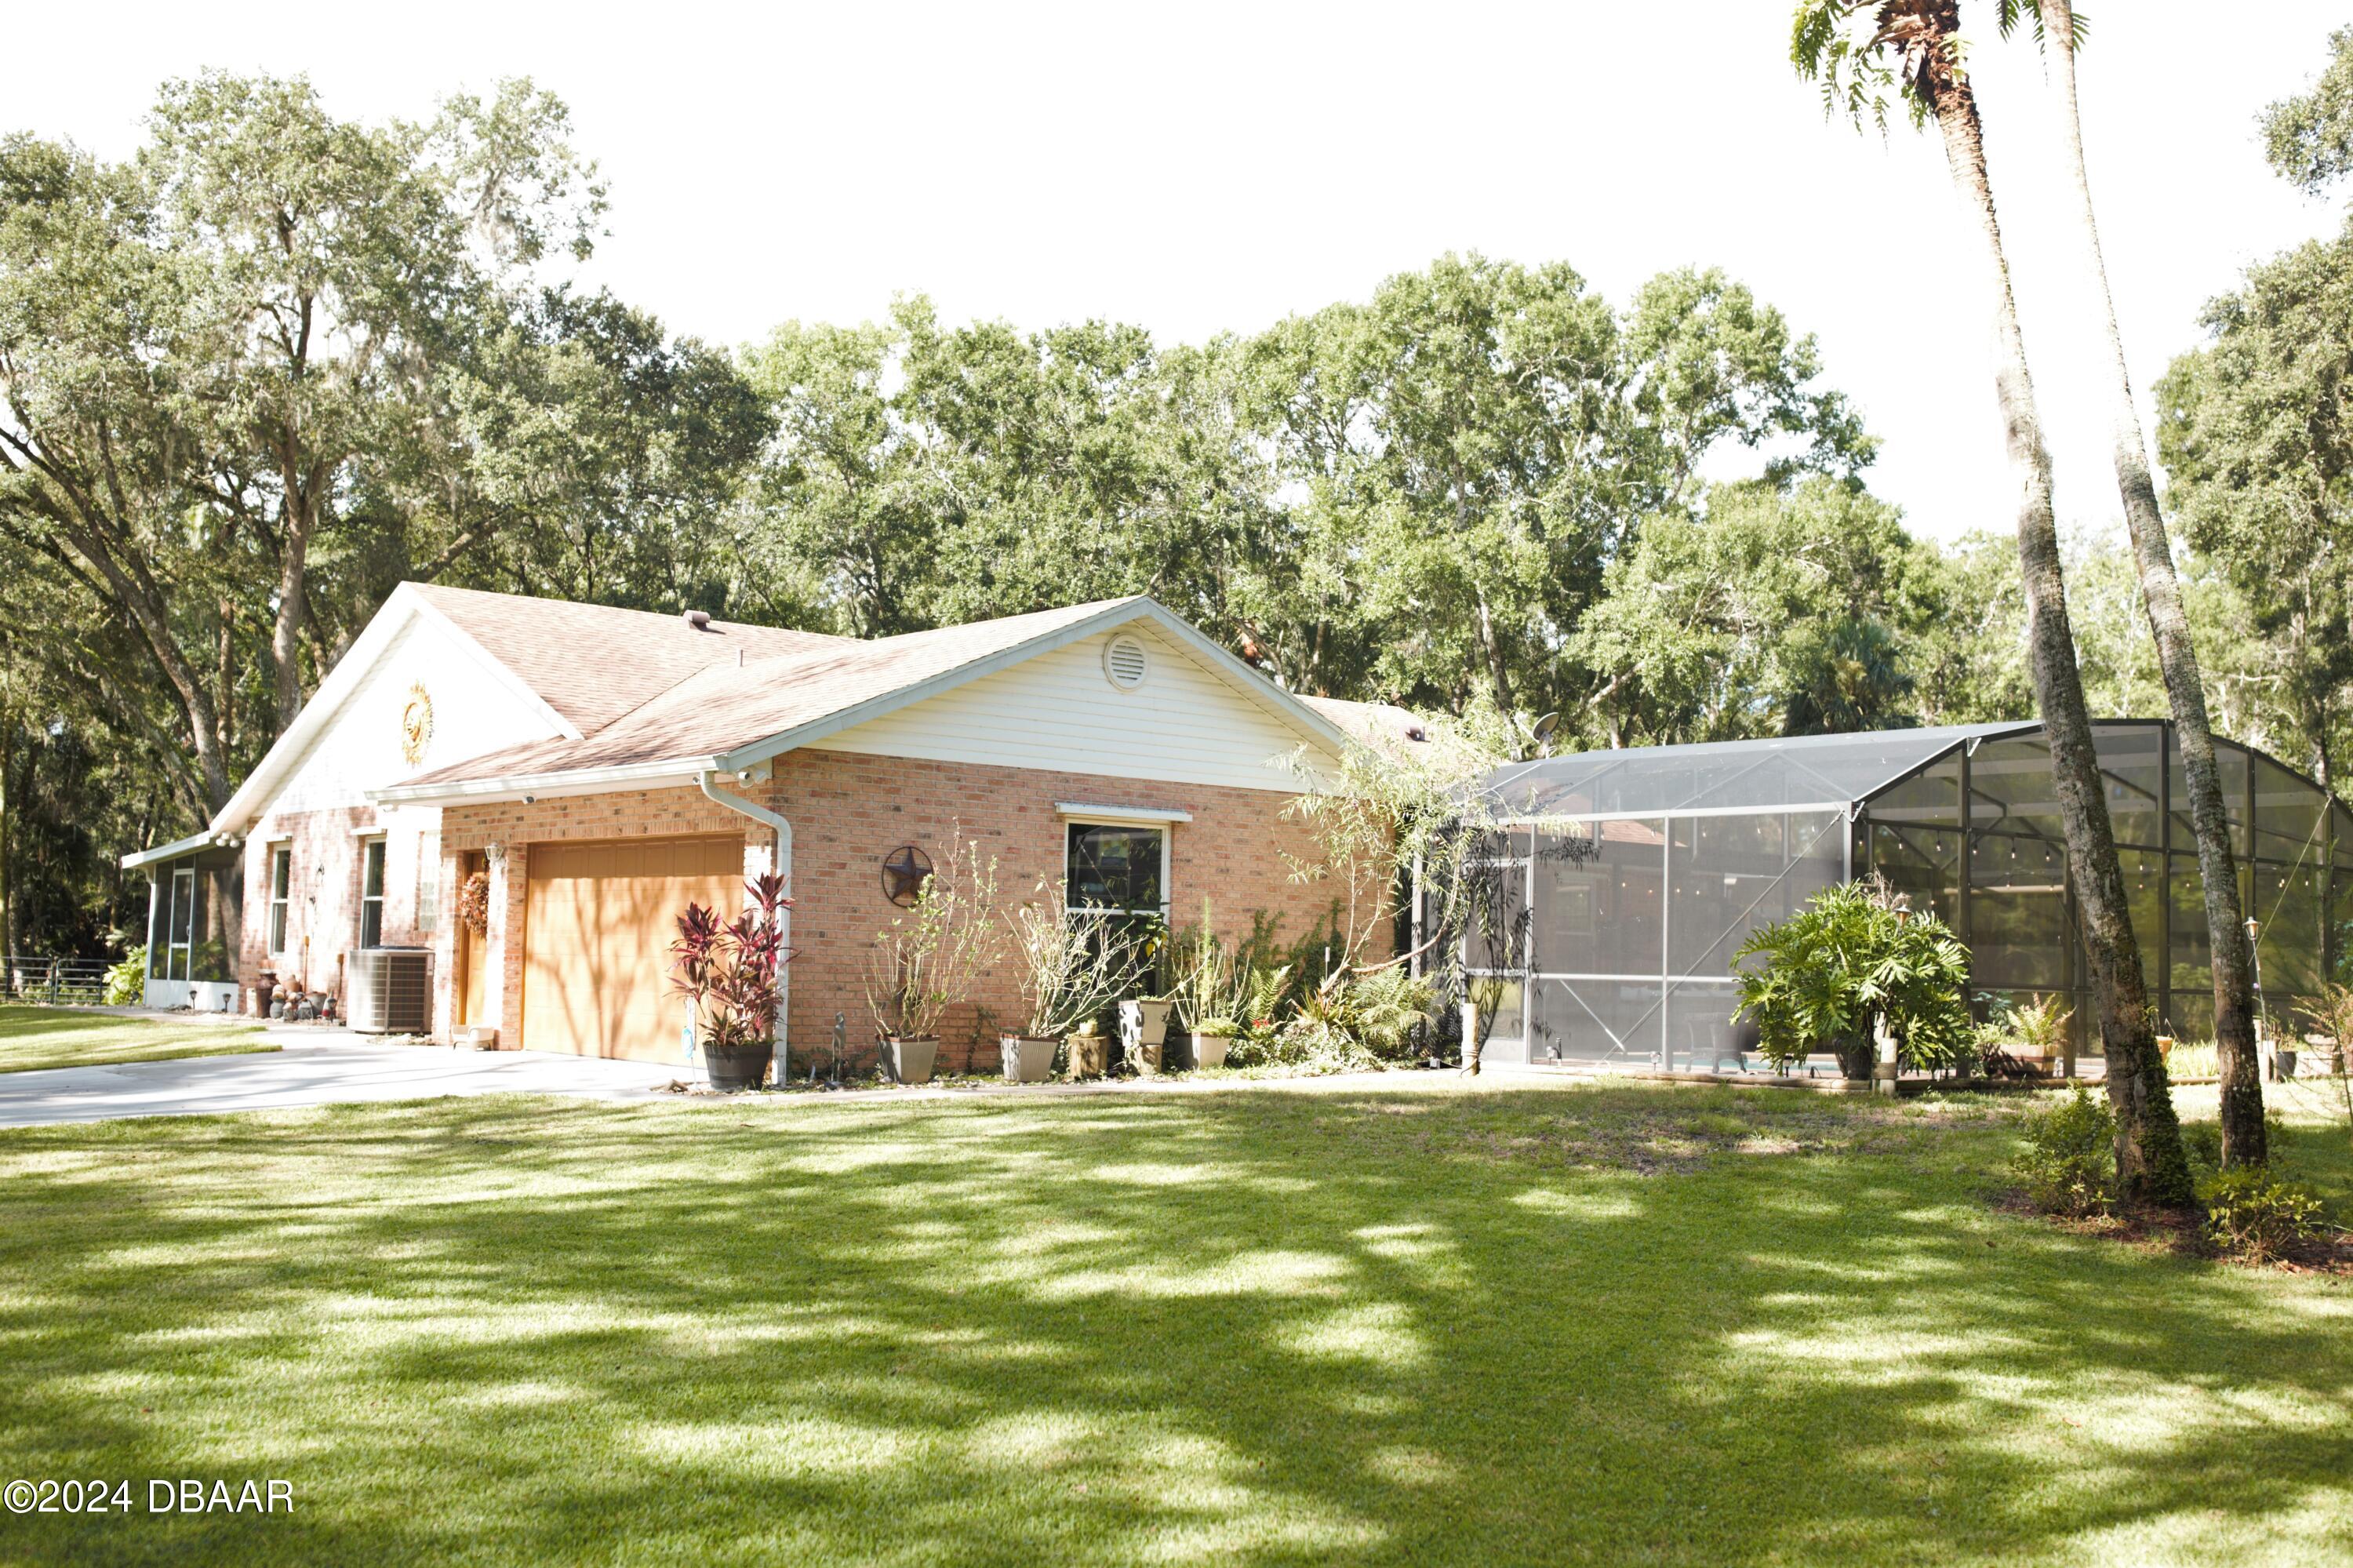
column 282, row 881
column 372, row 893
column 1117, row 868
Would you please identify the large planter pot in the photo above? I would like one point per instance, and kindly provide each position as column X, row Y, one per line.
column 1090, row 1055
column 908, row 1061
column 1209, row 1050
column 738, row 1067
column 1147, row 1019
column 1028, row 1058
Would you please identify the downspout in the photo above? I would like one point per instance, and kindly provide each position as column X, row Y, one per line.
column 783, row 867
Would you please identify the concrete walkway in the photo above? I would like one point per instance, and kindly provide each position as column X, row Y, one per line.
column 312, row 1070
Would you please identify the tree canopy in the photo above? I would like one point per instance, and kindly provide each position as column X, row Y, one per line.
column 277, row 362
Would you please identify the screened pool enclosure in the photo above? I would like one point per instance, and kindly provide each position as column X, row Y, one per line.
column 1630, row 878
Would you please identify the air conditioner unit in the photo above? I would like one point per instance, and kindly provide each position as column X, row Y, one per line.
column 391, row 991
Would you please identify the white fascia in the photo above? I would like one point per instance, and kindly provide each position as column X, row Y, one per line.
column 570, row 781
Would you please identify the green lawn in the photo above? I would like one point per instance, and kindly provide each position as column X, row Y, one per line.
column 1517, row 1325
column 32, row 1038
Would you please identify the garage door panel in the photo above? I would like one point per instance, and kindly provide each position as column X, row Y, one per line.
column 599, row 922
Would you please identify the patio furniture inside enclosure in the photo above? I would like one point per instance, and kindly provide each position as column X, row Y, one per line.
column 1625, row 881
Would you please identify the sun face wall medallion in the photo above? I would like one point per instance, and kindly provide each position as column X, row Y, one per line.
column 417, row 725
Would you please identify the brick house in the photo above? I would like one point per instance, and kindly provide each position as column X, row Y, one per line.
column 598, row 768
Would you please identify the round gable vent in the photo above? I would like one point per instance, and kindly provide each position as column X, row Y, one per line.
column 1126, row 663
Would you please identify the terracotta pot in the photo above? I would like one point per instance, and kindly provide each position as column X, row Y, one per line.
column 1209, row 1050
column 908, row 1061
column 735, row 1068
column 1028, row 1058
column 1090, row 1055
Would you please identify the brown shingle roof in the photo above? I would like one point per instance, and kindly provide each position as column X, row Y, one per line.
column 593, row 664
column 721, row 708
column 1371, row 722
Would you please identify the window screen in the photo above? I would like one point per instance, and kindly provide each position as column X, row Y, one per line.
column 1116, row 869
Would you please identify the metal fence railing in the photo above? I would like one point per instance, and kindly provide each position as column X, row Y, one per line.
column 53, row 982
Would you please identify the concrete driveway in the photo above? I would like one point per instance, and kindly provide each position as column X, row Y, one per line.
column 312, row 1071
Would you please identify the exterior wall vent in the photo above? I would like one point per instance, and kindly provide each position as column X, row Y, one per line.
column 1126, row 663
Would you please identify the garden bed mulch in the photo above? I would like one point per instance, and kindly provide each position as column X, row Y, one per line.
column 2184, row 1235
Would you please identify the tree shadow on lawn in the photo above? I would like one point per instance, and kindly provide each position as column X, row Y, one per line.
column 1256, row 1326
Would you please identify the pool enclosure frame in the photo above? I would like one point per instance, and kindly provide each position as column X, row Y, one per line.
column 1625, row 880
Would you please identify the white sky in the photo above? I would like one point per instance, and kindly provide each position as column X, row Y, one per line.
column 1218, row 166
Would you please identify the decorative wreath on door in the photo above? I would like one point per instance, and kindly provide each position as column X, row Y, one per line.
column 474, row 903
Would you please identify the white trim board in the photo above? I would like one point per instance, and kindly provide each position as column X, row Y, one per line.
column 1112, row 816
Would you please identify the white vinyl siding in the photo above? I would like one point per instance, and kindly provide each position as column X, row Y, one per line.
column 1060, row 712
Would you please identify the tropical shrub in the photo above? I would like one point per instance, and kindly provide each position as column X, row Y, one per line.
column 2040, row 1026
column 2256, row 1215
column 1355, row 1023
column 728, row 972
column 2069, row 1164
column 1848, row 960
column 126, row 982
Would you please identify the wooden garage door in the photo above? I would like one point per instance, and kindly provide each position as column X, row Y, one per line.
column 598, row 919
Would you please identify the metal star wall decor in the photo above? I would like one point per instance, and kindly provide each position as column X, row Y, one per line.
column 905, row 872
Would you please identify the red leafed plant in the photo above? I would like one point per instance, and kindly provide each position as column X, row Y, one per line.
column 728, row 972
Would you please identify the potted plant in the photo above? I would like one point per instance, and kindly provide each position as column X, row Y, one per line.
column 1142, row 1053
column 1090, row 1052
column 728, row 976
column 2040, row 1028
column 1061, row 982
column 929, row 958
column 1205, row 995
column 1211, row 1038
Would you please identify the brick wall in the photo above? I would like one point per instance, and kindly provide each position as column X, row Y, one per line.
column 848, row 811
column 323, row 894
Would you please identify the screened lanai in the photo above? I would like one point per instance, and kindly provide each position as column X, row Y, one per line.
column 1628, row 879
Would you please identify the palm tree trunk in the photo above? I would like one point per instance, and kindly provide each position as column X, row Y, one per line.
column 2150, row 1164
column 2177, row 657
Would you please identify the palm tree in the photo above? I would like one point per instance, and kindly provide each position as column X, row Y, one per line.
column 1849, row 678
column 2055, row 22
column 1862, row 51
